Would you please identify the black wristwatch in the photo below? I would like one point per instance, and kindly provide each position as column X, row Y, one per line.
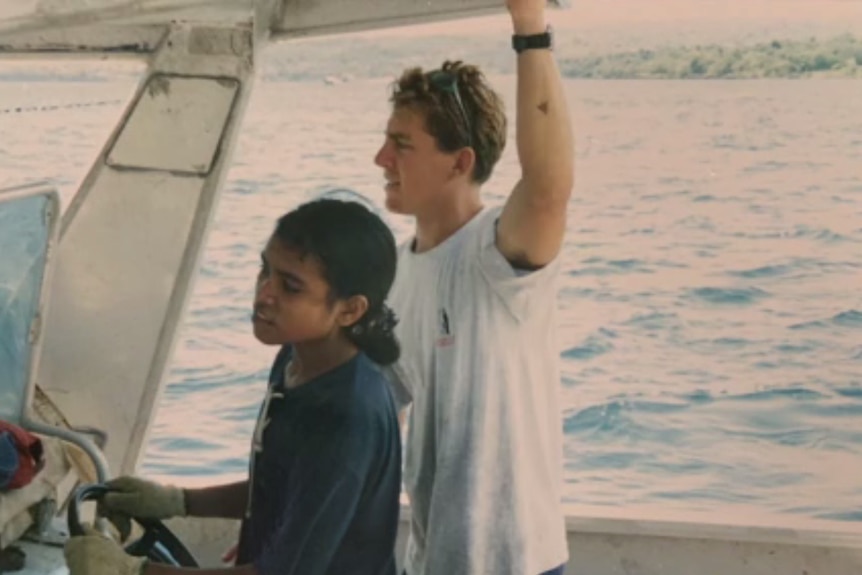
column 533, row 41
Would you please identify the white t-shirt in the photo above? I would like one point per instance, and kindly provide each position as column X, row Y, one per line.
column 480, row 363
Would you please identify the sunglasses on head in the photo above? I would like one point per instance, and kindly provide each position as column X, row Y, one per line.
column 448, row 82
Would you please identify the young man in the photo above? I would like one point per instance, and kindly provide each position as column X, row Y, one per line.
column 475, row 291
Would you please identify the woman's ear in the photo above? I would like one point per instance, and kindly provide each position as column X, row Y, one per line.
column 352, row 310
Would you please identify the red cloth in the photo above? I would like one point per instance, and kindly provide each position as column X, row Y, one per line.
column 29, row 452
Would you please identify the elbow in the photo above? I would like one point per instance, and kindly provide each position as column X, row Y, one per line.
column 563, row 179
column 562, row 188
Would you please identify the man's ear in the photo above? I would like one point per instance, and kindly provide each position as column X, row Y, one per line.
column 465, row 161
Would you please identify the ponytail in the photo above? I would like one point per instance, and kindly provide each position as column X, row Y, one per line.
column 374, row 335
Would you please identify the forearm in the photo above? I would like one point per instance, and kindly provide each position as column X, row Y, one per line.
column 226, row 501
column 545, row 141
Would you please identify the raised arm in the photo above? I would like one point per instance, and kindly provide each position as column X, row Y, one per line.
column 532, row 226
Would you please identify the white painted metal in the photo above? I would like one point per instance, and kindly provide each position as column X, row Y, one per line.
column 42, row 559
column 38, row 15
column 303, row 18
column 169, row 130
column 628, row 547
column 83, row 41
column 132, row 26
column 132, row 237
column 600, row 546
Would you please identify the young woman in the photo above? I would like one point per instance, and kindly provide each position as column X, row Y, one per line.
column 325, row 472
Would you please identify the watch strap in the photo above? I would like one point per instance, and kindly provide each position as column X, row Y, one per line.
column 543, row 40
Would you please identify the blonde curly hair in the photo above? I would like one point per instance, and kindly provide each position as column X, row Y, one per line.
column 459, row 108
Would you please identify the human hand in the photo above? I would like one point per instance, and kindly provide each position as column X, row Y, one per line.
column 134, row 497
column 96, row 554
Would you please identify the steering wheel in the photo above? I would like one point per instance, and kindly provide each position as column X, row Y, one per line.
column 157, row 543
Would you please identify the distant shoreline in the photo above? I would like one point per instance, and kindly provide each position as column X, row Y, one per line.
column 342, row 61
column 837, row 57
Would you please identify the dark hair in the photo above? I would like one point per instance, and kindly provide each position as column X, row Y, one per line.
column 357, row 252
column 460, row 109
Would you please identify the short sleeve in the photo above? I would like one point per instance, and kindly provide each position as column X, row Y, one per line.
column 397, row 380
column 517, row 288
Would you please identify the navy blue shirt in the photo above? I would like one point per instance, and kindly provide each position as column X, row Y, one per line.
column 325, row 478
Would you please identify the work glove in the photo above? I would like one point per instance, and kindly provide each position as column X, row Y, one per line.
column 133, row 497
column 96, row 554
